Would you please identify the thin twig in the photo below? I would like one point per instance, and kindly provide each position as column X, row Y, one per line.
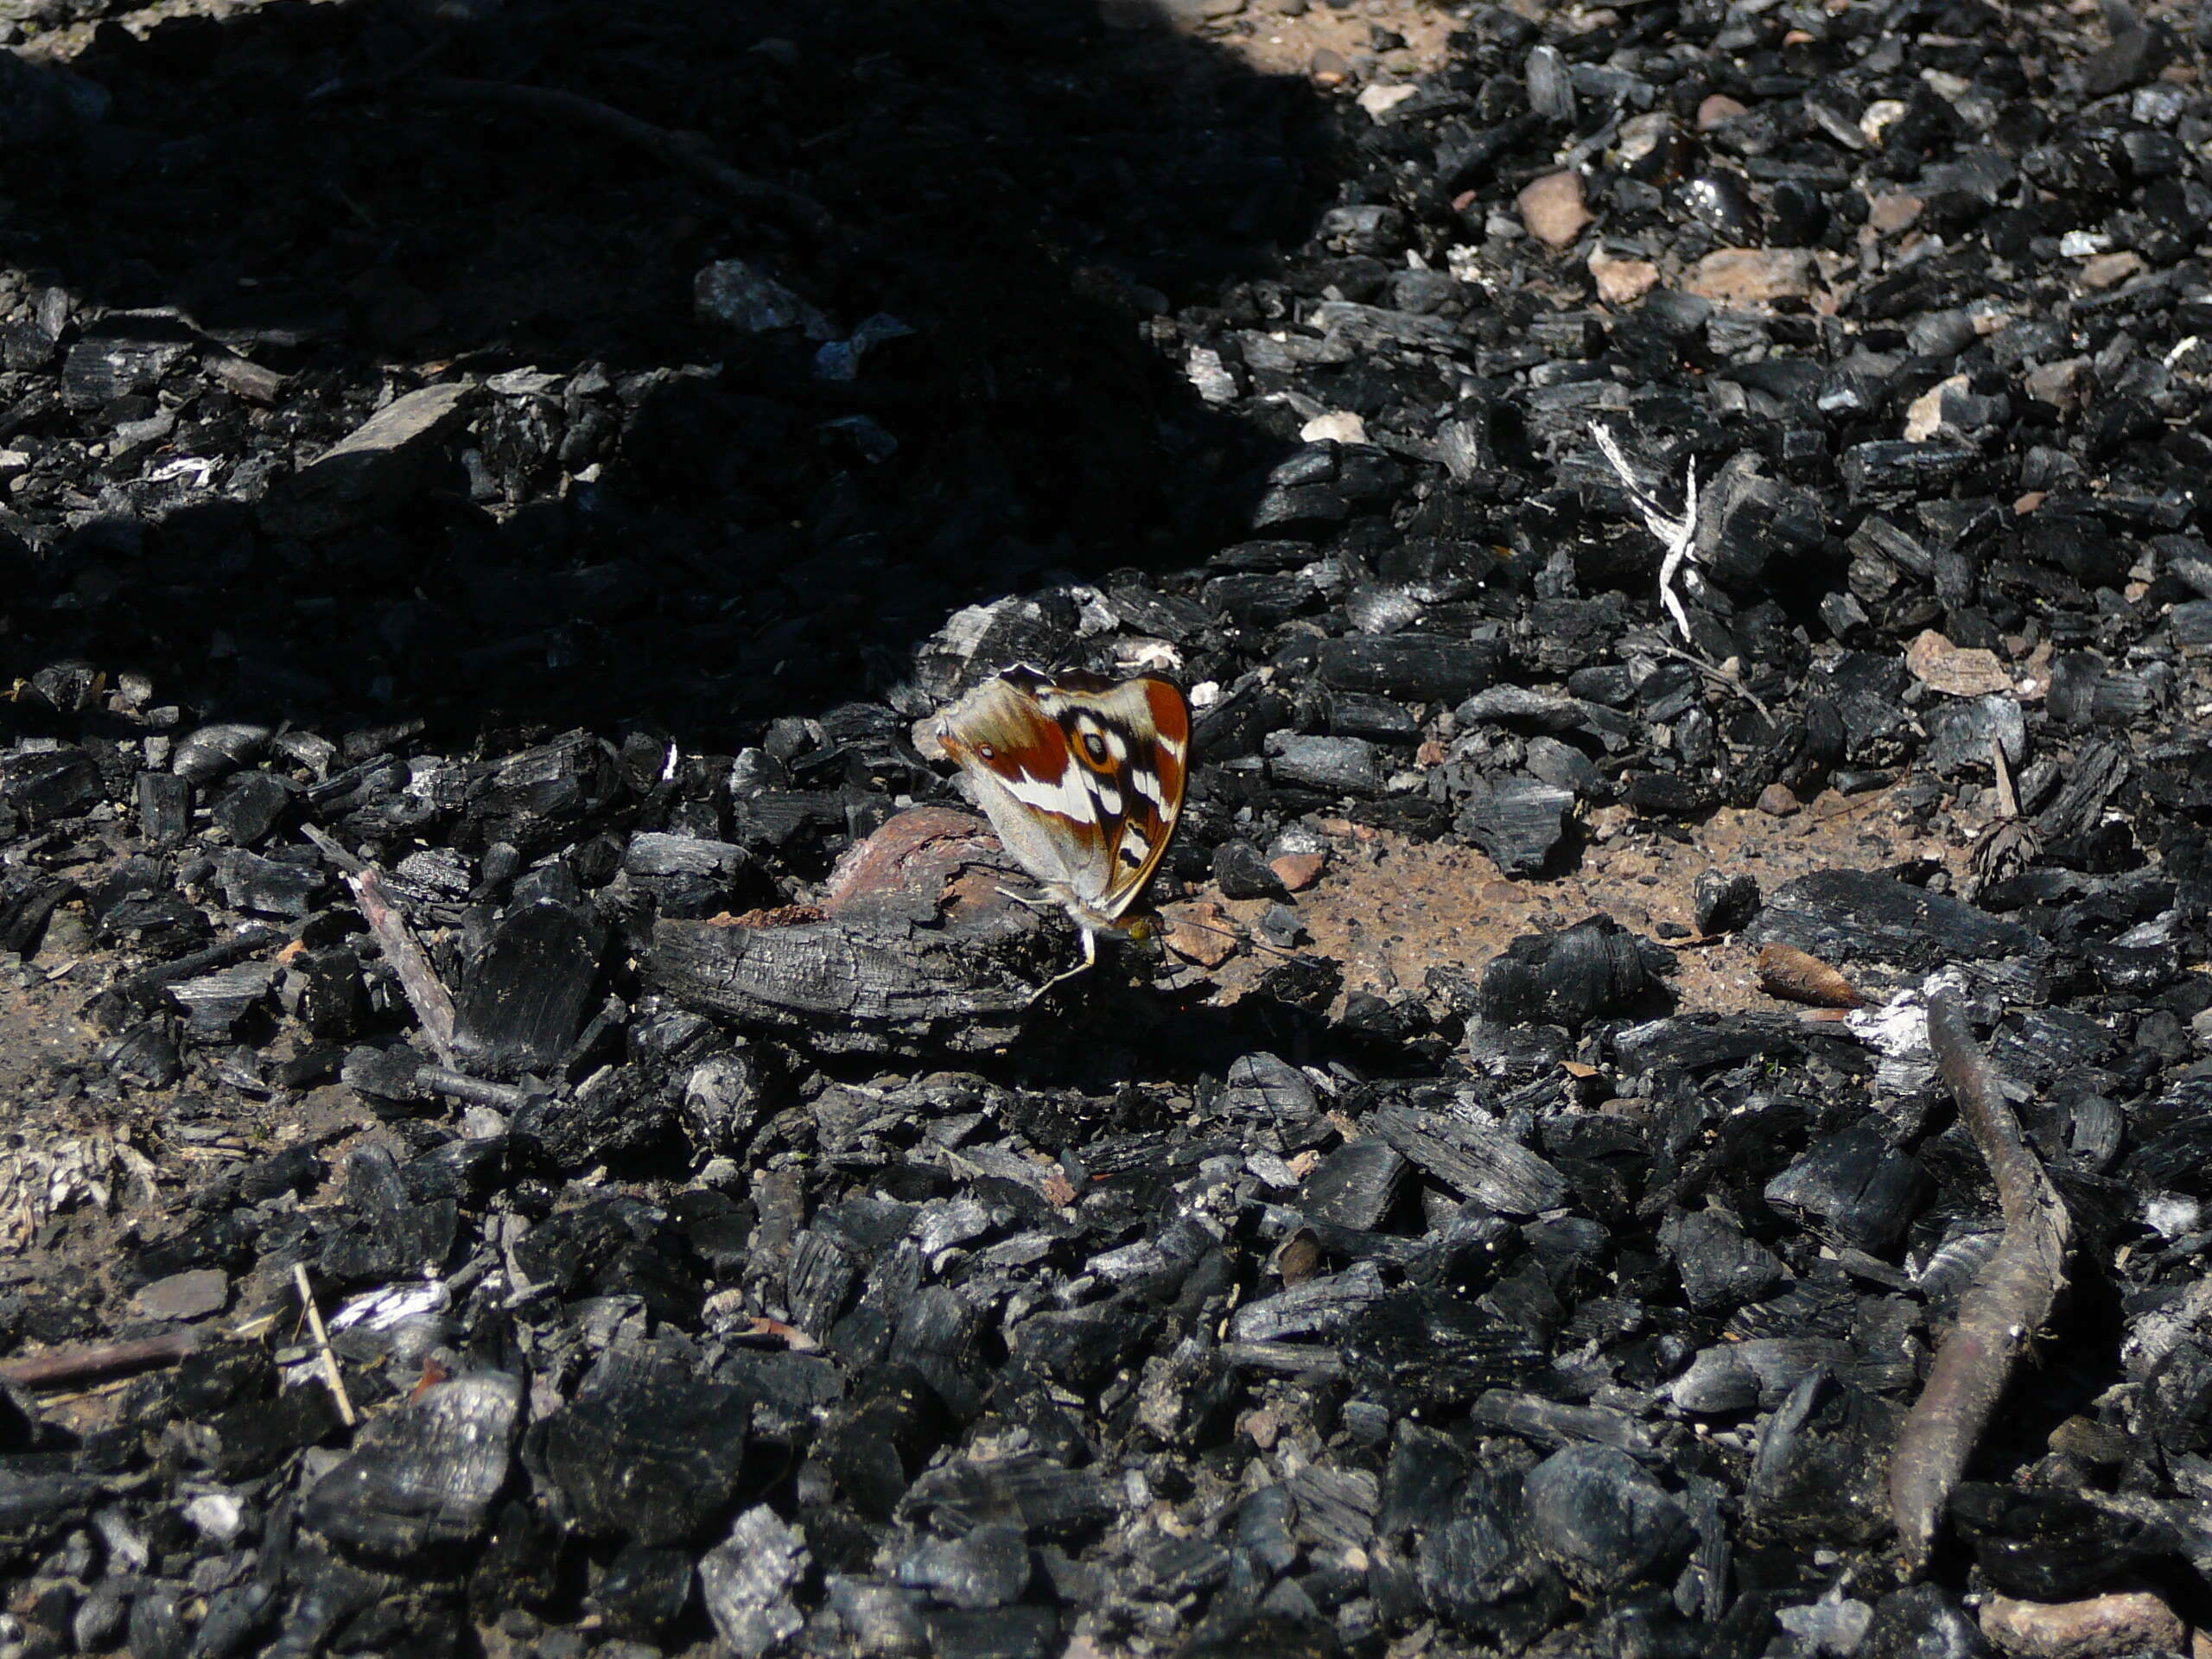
column 2005, row 1305
column 330, row 1372
column 75, row 1366
column 667, row 147
column 426, row 993
column 1719, row 676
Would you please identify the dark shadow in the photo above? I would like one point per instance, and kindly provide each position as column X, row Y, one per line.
column 687, row 526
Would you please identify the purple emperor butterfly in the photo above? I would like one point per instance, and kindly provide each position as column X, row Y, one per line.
column 1083, row 779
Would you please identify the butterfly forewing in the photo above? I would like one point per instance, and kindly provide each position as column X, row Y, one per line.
column 1128, row 742
column 1082, row 776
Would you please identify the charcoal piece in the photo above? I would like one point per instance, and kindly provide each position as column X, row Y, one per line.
column 147, row 1053
column 618, row 1112
column 424, row 1477
column 1360, row 714
column 987, row 1566
column 371, row 475
column 254, row 1437
column 1477, row 1559
column 1855, row 916
column 25, row 910
column 1579, row 974
column 249, row 811
column 1853, row 1188
column 643, row 1591
column 218, row 749
column 386, row 1233
column 818, row 1280
column 236, row 1615
column 1721, row 1267
column 1439, row 1347
column 1547, row 1423
column 1821, row 1475
column 1410, row 666
column 1725, row 903
column 1252, row 600
column 38, row 1502
column 1024, row 1490
column 1317, row 1306
column 125, row 353
column 391, row 1073
column 1025, row 1632
column 1746, row 522
column 655, row 853
column 217, row 1006
column 43, row 785
column 1338, row 765
column 523, row 999
column 1699, row 1042
column 1267, row 1087
column 1172, row 1569
column 1599, row 1517
column 326, row 993
column 1355, row 1185
column 268, row 885
column 746, row 1582
column 877, row 1617
column 1737, row 1376
column 1902, row 469
column 164, row 808
column 1518, row 822
column 2090, row 783
column 1081, row 1347
column 723, row 1097
column 1961, row 736
column 1263, row 1527
column 2050, row 1545
column 156, row 1628
column 1475, row 1158
column 1922, row 1620
column 1241, row 871
column 647, row 1450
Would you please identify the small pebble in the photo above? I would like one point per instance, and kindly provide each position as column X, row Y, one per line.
column 1776, row 801
column 1552, row 208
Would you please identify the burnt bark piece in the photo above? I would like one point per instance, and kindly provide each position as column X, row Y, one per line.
column 1855, row 916
column 2002, row 1309
column 921, row 949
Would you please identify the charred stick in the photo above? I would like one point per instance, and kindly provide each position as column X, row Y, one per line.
column 670, row 149
column 473, row 1092
column 426, row 993
column 2002, row 1309
column 75, row 1366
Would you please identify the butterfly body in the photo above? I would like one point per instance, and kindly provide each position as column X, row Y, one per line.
column 1083, row 777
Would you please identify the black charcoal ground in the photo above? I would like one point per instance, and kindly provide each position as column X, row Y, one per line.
column 491, row 500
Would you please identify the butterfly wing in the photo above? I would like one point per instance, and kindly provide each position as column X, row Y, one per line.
column 1131, row 744
column 1015, row 759
column 1082, row 776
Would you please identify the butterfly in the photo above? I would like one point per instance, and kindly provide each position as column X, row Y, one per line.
column 1083, row 779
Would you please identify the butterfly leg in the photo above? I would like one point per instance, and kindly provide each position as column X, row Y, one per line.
column 1089, row 961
